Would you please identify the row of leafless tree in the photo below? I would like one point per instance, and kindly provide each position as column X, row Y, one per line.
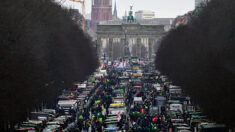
column 41, row 52
column 200, row 57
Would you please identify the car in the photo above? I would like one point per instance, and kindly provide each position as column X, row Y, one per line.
column 41, row 116
column 183, row 128
column 25, row 129
column 81, row 87
column 49, row 111
column 52, row 128
column 137, row 74
column 118, row 100
column 31, row 126
column 111, row 126
column 179, row 125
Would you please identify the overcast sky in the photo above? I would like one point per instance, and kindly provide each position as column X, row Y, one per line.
column 162, row 8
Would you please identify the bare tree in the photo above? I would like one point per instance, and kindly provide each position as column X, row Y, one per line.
column 200, row 57
column 42, row 51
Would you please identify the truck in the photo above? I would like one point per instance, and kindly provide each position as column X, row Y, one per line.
column 67, row 106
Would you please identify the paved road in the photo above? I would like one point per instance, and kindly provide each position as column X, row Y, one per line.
column 72, row 125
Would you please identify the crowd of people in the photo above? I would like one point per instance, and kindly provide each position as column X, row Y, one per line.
column 147, row 102
column 94, row 115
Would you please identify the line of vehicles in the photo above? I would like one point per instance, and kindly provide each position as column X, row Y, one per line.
column 64, row 114
column 142, row 99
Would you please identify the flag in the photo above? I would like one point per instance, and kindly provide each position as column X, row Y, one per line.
column 119, row 116
column 103, row 66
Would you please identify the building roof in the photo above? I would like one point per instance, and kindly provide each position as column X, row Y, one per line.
column 155, row 21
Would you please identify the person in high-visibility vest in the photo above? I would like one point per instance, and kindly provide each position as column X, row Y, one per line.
column 93, row 117
column 80, row 117
column 146, row 107
column 154, row 127
column 100, row 119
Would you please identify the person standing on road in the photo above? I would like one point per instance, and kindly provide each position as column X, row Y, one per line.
column 85, row 125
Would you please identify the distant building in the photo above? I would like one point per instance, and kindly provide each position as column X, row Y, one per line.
column 144, row 14
column 164, row 21
column 101, row 11
column 156, row 21
column 199, row 2
column 115, row 10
